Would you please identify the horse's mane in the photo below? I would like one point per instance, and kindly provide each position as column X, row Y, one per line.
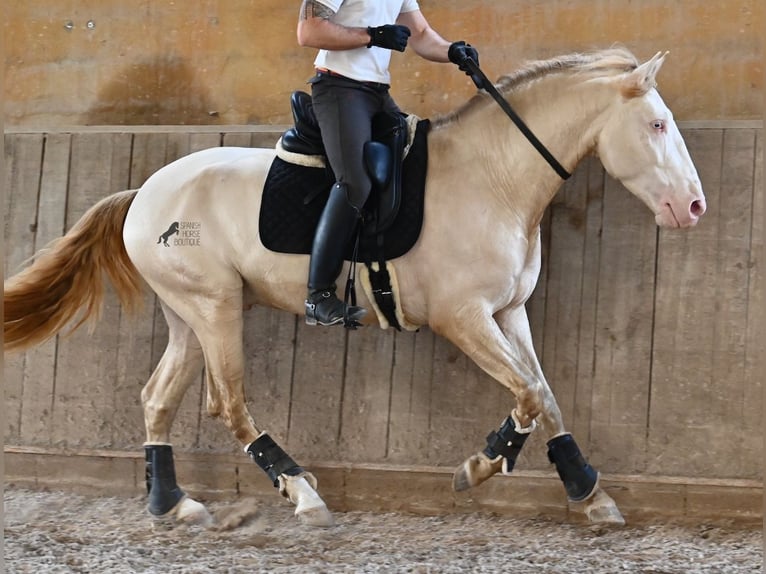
column 614, row 60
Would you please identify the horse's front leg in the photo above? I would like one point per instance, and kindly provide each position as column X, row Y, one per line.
column 502, row 347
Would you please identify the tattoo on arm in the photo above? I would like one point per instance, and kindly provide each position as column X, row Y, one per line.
column 313, row 9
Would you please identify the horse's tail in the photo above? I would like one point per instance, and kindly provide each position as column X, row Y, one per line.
column 67, row 275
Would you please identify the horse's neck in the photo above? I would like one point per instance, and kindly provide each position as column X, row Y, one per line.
column 565, row 121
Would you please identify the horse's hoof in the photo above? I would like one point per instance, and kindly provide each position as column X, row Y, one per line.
column 318, row 516
column 461, row 480
column 189, row 511
column 309, row 506
column 601, row 509
column 475, row 470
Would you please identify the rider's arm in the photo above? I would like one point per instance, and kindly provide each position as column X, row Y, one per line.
column 315, row 30
column 426, row 42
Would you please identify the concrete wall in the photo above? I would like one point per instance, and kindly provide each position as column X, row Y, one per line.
column 86, row 62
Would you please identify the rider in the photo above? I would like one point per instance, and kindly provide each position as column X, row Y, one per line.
column 351, row 85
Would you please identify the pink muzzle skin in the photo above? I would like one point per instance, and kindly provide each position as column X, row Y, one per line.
column 677, row 213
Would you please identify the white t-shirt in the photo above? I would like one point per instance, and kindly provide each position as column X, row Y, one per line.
column 363, row 64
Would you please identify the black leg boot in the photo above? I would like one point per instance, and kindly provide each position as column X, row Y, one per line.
column 335, row 230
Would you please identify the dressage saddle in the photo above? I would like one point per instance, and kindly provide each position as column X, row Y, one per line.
column 383, row 157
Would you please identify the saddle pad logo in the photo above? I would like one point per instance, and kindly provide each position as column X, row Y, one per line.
column 182, row 234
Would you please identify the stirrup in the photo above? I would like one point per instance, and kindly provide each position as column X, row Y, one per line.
column 334, row 310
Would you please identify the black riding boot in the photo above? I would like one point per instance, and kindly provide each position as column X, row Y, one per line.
column 335, row 230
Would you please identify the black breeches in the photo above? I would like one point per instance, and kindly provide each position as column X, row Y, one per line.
column 344, row 109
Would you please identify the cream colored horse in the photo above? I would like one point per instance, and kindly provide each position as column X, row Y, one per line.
column 467, row 278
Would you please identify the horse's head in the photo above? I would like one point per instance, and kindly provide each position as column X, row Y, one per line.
column 640, row 145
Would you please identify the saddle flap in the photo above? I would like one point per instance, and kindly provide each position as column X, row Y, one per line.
column 389, row 131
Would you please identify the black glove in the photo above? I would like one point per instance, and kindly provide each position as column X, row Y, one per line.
column 459, row 53
column 390, row 36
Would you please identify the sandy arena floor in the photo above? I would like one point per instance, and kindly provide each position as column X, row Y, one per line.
column 58, row 532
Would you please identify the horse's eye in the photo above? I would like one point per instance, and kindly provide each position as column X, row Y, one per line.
column 658, row 125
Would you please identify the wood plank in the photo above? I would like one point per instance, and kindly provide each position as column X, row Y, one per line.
column 623, row 332
column 269, row 352
column 87, row 363
column 23, row 160
column 755, row 357
column 40, row 368
column 735, row 227
column 465, row 404
column 200, row 141
column 589, row 303
column 411, row 380
column 238, row 139
column 266, row 139
column 150, row 153
column 183, row 143
column 23, row 157
column 316, row 396
column 687, row 296
column 367, row 395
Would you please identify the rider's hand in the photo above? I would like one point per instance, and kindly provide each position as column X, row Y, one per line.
column 459, row 53
column 390, row 36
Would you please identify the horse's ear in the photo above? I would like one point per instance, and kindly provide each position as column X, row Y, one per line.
column 642, row 79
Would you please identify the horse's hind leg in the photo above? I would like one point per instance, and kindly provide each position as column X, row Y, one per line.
column 219, row 331
column 179, row 367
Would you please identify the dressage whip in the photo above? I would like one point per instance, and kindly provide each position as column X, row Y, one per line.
column 482, row 82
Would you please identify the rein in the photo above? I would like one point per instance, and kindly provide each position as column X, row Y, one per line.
column 482, row 81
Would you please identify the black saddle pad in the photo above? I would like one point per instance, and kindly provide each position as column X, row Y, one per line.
column 287, row 224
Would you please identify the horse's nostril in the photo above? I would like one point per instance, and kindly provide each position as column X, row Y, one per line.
column 697, row 208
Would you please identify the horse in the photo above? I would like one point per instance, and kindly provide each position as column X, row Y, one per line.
column 486, row 191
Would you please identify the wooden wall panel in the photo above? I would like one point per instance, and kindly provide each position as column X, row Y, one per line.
column 688, row 295
column 755, row 359
column 648, row 338
column 41, row 362
column 87, row 363
column 703, row 295
column 363, row 433
column 270, row 353
column 620, row 398
column 23, row 161
column 317, row 393
column 411, row 384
